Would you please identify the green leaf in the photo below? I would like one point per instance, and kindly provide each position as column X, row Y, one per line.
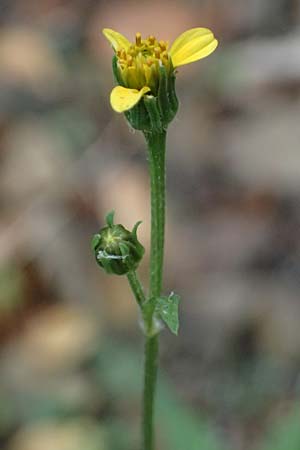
column 167, row 308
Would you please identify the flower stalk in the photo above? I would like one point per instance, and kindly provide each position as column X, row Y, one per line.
column 145, row 73
column 136, row 288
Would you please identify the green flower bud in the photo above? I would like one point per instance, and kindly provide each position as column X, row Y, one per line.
column 117, row 250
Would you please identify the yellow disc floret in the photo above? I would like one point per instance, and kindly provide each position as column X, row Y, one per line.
column 139, row 63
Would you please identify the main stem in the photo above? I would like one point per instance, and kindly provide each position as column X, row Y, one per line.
column 156, row 154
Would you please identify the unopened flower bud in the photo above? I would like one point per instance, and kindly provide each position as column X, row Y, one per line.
column 117, row 250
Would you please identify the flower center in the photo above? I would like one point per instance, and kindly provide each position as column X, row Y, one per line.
column 139, row 64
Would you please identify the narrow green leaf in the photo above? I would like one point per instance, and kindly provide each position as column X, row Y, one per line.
column 167, row 308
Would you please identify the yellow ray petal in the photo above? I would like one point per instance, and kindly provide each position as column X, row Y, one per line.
column 192, row 45
column 122, row 99
column 117, row 40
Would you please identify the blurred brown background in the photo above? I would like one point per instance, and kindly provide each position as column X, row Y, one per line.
column 70, row 344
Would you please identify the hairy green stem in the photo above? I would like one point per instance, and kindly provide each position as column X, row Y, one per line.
column 156, row 154
column 150, row 375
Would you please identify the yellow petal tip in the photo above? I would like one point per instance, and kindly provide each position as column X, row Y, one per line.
column 117, row 40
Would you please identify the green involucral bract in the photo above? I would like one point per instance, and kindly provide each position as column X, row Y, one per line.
column 153, row 112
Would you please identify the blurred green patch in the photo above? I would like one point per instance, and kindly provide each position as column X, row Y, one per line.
column 120, row 370
column 284, row 434
column 76, row 126
column 11, row 289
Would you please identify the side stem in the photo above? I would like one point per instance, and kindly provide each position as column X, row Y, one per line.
column 156, row 154
column 136, row 287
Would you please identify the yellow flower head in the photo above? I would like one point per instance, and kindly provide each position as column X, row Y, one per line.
column 141, row 67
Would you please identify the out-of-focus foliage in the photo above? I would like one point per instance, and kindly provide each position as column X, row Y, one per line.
column 176, row 425
column 285, row 434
